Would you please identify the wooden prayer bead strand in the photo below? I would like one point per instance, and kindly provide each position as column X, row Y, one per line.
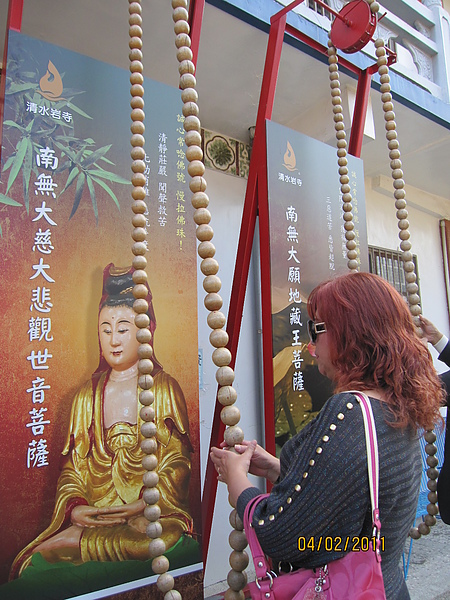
column 221, row 356
column 336, row 99
column 408, row 263
column 152, row 512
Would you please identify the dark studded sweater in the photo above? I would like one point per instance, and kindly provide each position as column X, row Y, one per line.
column 323, row 492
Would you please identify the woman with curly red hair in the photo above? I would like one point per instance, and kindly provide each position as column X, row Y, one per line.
column 364, row 339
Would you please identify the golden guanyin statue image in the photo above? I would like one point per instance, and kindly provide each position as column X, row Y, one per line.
column 99, row 510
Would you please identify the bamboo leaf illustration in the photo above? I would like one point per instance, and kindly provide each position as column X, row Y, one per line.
column 9, row 201
column 106, row 188
column 78, row 110
column 79, row 192
column 109, row 176
column 26, row 173
column 73, row 173
column 12, row 124
column 21, row 148
column 8, row 163
column 94, row 156
column 15, row 88
column 93, row 198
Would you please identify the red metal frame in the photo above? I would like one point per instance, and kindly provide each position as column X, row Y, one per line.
column 15, row 11
column 256, row 203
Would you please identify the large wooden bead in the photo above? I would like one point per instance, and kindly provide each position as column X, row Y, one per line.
column 137, row 140
column 150, row 462
column 187, row 80
column 202, row 216
column 430, row 436
column 181, row 27
column 147, row 414
column 142, row 321
column 237, row 580
column 221, row 357
column 238, row 560
column 140, row 291
column 135, row 7
column 236, row 523
column 197, row 184
column 160, row 564
column 230, row 415
column 227, row 395
column 194, row 153
column 430, row 520
column 206, row 250
column 149, row 430
column 138, row 193
column 186, row 66
column 152, row 512
column 145, row 382
column 189, row 95
column 216, row 319
column 414, row 533
column 218, row 338
column 144, row 336
column 193, row 138
column 196, row 168
column 212, row 283
column 146, row 397
column 135, row 54
column 137, row 127
column 145, row 366
column 154, row 530
column 432, row 509
column 180, row 14
column 204, row 232
column 139, row 220
column 213, row 302
column 184, row 53
column 156, row 547
column 151, row 495
column 237, row 540
column 182, row 39
column 209, row 266
column 233, row 435
column 423, row 529
column 150, row 479
column 225, row 376
column 145, row 351
column 200, row 200
column 149, row 446
column 140, row 306
column 165, row 582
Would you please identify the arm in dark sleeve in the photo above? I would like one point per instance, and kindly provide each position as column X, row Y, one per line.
column 444, row 356
column 324, row 491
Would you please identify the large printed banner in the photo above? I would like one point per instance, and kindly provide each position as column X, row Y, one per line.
column 307, row 246
column 72, row 512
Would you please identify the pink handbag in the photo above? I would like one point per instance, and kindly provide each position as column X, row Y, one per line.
column 356, row 576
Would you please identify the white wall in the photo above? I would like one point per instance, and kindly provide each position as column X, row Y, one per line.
column 425, row 212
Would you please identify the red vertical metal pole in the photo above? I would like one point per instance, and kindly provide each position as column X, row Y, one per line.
column 15, row 10
column 196, row 8
column 359, row 114
column 257, row 172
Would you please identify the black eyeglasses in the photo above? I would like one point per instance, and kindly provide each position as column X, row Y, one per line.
column 314, row 329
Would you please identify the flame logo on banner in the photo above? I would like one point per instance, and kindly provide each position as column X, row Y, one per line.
column 51, row 85
column 290, row 161
column 289, row 158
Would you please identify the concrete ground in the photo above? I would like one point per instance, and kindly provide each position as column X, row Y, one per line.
column 429, row 569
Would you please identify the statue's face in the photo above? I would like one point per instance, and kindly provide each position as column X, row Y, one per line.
column 118, row 336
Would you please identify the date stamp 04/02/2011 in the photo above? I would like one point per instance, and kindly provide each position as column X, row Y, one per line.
column 339, row 544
